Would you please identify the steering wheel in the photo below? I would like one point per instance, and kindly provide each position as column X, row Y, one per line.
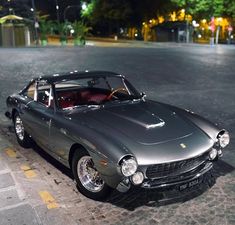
column 116, row 90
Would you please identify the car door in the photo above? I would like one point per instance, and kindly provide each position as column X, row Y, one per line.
column 38, row 113
column 60, row 142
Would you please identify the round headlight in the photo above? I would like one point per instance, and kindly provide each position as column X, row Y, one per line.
column 137, row 178
column 223, row 139
column 213, row 154
column 128, row 167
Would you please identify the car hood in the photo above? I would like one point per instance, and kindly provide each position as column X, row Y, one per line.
column 148, row 127
column 145, row 123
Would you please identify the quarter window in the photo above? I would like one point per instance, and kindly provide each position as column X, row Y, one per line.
column 30, row 91
column 44, row 94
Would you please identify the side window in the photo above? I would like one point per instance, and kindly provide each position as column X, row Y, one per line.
column 44, row 94
column 30, row 91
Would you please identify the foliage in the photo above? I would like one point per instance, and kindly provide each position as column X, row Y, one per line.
column 112, row 10
column 143, row 11
column 80, row 29
column 110, row 15
column 86, row 13
column 44, row 28
column 229, row 7
column 62, row 30
column 206, row 8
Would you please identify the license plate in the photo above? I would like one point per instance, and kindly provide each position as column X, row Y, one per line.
column 189, row 184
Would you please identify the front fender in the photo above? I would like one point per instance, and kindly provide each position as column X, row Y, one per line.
column 205, row 125
column 104, row 149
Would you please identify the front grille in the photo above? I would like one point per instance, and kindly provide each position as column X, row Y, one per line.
column 175, row 168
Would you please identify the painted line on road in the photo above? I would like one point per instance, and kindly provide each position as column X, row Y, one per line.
column 11, row 153
column 28, row 172
column 48, row 200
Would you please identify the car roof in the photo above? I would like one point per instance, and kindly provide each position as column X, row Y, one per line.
column 77, row 75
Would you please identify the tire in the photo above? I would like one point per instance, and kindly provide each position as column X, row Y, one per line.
column 95, row 189
column 22, row 136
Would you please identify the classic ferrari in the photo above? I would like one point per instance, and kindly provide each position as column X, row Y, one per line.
column 111, row 136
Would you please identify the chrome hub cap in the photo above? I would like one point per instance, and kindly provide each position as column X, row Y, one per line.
column 19, row 128
column 88, row 175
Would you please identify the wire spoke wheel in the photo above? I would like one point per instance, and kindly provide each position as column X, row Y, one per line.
column 88, row 175
column 19, row 128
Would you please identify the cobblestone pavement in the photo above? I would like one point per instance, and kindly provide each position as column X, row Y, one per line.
column 198, row 78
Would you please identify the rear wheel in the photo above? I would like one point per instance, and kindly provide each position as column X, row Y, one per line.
column 87, row 177
column 22, row 136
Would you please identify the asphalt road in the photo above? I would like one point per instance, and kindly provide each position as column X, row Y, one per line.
column 199, row 78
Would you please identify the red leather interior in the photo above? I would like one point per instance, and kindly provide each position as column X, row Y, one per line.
column 98, row 98
column 67, row 99
column 79, row 97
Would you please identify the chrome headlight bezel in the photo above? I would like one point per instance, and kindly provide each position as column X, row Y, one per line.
column 223, row 138
column 128, row 166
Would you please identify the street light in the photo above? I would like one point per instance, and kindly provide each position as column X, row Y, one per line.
column 36, row 25
column 84, row 6
column 57, row 11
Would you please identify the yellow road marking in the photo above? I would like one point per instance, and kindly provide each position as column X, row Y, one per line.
column 10, row 152
column 29, row 173
column 48, row 200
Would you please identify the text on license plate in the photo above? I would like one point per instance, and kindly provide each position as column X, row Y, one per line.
column 189, row 184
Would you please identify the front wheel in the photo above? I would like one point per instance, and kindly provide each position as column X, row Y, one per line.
column 88, row 179
column 22, row 136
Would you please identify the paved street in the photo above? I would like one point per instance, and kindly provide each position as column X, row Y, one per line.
column 35, row 189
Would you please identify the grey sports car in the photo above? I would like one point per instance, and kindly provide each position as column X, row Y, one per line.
column 111, row 136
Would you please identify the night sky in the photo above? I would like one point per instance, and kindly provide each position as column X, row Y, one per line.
column 49, row 7
column 45, row 7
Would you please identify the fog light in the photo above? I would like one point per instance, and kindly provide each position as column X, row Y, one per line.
column 137, row 178
column 213, row 154
column 223, row 138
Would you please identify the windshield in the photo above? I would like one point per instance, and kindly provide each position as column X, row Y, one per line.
column 94, row 91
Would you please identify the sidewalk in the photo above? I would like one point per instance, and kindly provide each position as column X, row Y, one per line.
column 25, row 198
column 110, row 42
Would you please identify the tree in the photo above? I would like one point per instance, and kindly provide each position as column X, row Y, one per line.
column 229, row 8
column 113, row 14
column 201, row 9
column 205, row 8
column 110, row 15
column 143, row 11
